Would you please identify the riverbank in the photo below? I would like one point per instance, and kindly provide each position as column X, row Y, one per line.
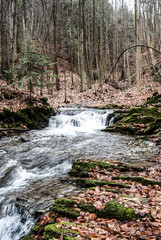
column 19, row 112
column 117, row 201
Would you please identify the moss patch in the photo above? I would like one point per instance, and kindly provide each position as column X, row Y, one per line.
column 138, row 121
column 141, row 180
column 66, row 207
column 155, row 99
column 30, row 117
column 86, row 183
column 52, row 231
column 81, row 168
column 115, row 210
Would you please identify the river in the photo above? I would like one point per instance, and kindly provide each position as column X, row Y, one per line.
column 34, row 166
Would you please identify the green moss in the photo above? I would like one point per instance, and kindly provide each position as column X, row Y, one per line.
column 81, row 168
column 35, row 227
column 67, row 224
column 66, row 207
column 87, row 207
column 141, row 180
column 30, row 117
column 119, row 117
column 91, row 183
column 145, row 111
column 51, row 231
column 65, row 210
column 156, row 97
column 65, row 201
column 115, row 210
column 28, row 237
column 76, row 172
column 139, row 121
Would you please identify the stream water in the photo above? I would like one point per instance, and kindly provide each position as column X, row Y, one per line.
column 34, row 166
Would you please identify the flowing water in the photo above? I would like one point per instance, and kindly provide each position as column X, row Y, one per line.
column 34, row 167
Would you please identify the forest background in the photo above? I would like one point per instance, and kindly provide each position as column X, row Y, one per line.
column 77, row 51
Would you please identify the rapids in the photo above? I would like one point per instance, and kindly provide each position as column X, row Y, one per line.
column 34, row 166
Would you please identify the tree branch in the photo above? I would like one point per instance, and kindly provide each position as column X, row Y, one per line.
column 135, row 46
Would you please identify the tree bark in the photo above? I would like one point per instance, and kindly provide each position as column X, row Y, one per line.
column 5, row 59
column 55, row 58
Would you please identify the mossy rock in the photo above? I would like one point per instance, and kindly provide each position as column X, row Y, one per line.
column 156, row 97
column 66, row 207
column 76, row 172
column 86, row 183
column 138, row 119
column 65, row 201
column 30, row 117
column 128, row 129
column 87, row 207
column 145, row 111
column 81, row 168
column 115, row 210
column 65, row 210
column 139, row 179
column 52, row 231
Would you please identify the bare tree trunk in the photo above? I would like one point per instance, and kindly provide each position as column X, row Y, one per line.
column 126, row 45
column 55, row 59
column 5, row 58
column 81, row 46
column 138, row 36
column 63, row 53
column 86, row 63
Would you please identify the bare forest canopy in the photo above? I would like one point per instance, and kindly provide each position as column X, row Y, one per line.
column 100, row 40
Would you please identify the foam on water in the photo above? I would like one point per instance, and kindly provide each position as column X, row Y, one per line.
column 14, row 222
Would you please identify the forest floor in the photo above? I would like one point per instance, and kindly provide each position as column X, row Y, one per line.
column 95, row 97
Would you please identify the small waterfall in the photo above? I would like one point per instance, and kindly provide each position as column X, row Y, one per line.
column 15, row 222
column 80, row 120
column 112, row 120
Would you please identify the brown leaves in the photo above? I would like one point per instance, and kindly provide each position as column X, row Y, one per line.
column 145, row 200
column 45, row 219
